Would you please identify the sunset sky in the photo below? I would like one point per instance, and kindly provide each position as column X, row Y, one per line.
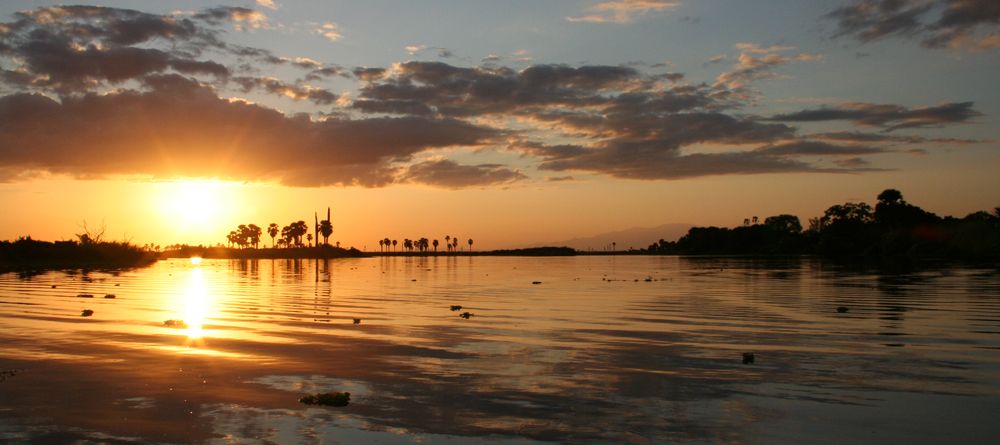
column 510, row 122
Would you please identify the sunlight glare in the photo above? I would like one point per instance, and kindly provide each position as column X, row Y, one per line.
column 196, row 260
column 196, row 305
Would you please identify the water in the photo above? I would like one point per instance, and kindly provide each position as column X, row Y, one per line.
column 603, row 350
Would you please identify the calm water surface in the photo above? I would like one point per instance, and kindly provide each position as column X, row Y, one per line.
column 603, row 350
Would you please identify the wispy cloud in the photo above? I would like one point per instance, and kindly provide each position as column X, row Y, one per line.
column 887, row 116
column 967, row 24
column 270, row 4
column 328, row 30
column 623, row 11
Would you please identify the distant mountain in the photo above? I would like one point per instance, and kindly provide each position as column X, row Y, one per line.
column 637, row 238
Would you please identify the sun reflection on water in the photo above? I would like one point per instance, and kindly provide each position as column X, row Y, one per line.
column 197, row 301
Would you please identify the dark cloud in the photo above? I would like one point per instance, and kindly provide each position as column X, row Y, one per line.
column 182, row 128
column 937, row 23
column 858, row 137
column 816, row 148
column 852, row 163
column 457, row 91
column 450, row 174
column 651, row 161
column 890, row 117
column 77, row 48
column 369, row 74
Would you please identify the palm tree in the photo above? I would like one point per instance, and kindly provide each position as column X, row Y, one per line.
column 614, row 246
column 254, row 233
column 326, row 227
column 393, row 245
column 470, row 244
column 447, row 242
column 755, row 219
column 435, row 246
column 301, row 229
column 309, row 238
column 380, row 244
column 746, row 221
column 273, row 231
column 454, row 243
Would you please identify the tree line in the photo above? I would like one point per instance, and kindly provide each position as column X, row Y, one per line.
column 451, row 243
column 893, row 228
column 249, row 235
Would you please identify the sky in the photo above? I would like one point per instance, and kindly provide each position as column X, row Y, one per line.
column 512, row 123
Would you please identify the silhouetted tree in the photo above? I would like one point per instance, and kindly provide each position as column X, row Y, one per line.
column 435, row 246
column 381, row 245
column 273, row 231
column 784, row 223
column 393, row 245
column 326, row 227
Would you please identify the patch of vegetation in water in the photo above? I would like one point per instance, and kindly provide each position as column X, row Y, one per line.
column 327, row 399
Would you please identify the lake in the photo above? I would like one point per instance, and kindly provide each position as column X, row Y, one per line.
column 602, row 349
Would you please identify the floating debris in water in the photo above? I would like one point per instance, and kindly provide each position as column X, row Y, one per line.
column 536, row 282
column 7, row 373
column 748, row 358
column 456, row 307
column 466, row 315
column 180, row 324
column 648, row 279
column 85, row 296
column 86, row 313
column 842, row 309
column 117, row 284
column 327, row 399
column 53, row 286
column 357, row 321
column 110, row 296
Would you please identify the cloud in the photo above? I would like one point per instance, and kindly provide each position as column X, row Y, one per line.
column 92, row 91
column 181, row 128
column 623, row 11
column 854, row 162
column 817, row 148
column 970, row 24
column 858, row 137
column 450, row 174
column 757, row 63
column 651, row 161
column 328, row 30
column 243, row 19
column 268, row 4
column 414, row 49
column 889, row 117
column 275, row 86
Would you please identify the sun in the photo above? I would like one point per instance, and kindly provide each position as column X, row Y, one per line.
column 196, row 210
column 194, row 203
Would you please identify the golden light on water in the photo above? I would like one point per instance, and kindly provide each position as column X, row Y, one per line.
column 196, row 260
column 196, row 304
